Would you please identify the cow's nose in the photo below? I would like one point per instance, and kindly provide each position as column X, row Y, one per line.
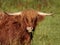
column 29, row 29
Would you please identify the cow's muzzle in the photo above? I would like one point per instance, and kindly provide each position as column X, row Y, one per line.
column 29, row 29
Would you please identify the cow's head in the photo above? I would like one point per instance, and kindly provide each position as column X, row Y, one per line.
column 31, row 17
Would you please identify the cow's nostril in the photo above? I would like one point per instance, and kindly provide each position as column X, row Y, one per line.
column 32, row 28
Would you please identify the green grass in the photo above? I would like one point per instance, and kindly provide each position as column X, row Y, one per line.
column 47, row 32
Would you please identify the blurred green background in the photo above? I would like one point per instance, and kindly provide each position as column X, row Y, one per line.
column 47, row 32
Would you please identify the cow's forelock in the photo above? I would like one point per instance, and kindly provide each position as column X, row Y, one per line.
column 30, row 23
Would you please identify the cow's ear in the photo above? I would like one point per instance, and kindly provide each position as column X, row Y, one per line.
column 40, row 17
column 3, row 15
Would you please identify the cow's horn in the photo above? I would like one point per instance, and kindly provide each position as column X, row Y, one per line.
column 16, row 13
column 44, row 14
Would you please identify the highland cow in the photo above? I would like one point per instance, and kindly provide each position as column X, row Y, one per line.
column 17, row 28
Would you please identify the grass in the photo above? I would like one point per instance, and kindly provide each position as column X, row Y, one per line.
column 47, row 32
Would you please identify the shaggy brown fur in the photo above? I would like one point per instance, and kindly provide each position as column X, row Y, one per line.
column 13, row 28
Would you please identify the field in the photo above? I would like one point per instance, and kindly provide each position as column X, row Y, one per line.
column 47, row 32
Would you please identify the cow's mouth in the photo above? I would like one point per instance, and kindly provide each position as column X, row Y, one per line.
column 31, row 35
column 30, row 31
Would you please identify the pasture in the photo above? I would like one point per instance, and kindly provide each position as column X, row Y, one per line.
column 47, row 32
